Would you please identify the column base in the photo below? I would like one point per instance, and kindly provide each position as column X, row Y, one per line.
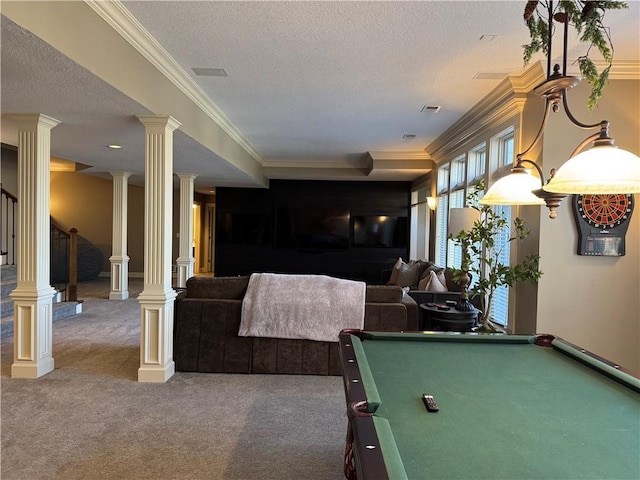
column 119, row 277
column 185, row 270
column 118, row 295
column 159, row 374
column 32, row 332
column 32, row 369
column 156, row 335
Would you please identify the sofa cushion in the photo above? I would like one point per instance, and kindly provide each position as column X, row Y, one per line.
column 383, row 294
column 214, row 288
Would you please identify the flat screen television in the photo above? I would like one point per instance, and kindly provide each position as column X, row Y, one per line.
column 237, row 228
column 380, row 231
column 312, row 228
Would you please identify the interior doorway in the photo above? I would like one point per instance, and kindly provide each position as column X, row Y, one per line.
column 209, row 236
column 197, row 211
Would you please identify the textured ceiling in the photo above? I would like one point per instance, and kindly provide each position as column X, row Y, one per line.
column 312, row 87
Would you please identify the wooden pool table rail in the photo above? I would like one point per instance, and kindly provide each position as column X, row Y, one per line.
column 369, row 462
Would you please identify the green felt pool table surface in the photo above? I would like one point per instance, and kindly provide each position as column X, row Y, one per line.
column 509, row 409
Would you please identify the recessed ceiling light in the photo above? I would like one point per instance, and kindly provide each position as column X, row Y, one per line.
column 430, row 108
column 408, row 135
column 115, row 147
column 209, row 72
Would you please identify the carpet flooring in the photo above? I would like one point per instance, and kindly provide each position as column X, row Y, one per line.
column 90, row 418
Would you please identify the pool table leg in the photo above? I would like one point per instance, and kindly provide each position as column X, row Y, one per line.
column 349, row 461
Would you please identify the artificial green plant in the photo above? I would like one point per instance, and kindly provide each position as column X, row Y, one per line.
column 481, row 255
column 587, row 19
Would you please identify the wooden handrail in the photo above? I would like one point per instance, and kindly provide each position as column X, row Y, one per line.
column 8, row 225
column 9, row 195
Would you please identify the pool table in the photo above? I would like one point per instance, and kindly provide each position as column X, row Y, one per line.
column 510, row 407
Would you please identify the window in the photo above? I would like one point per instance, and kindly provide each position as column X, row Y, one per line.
column 454, row 251
column 477, row 164
column 500, row 304
column 455, row 179
column 442, row 216
column 506, row 154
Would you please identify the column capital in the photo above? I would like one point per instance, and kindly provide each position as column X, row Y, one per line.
column 187, row 176
column 159, row 121
column 28, row 120
column 120, row 174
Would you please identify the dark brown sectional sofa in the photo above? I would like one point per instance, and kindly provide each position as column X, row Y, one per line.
column 207, row 318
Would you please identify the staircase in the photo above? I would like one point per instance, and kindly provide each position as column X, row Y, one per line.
column 9, row 281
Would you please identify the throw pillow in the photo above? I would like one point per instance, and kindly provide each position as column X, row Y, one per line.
column 426, row 273
column 405, row 274
column 432, row 283
column 408, row 274
column 395, row 271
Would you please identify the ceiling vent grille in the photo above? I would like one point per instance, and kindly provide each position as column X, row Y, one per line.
column 430, row 108
column 209, row 72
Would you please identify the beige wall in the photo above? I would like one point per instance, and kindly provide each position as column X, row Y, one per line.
column 86, row 203
column 9, row 170
column 592, row 301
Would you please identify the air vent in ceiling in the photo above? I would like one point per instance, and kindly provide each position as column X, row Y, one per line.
column 209, row 72
column 430, row 108
column 408, row 135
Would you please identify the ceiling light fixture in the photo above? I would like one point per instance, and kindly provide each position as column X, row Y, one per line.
column 114, row 147
column 603, row 169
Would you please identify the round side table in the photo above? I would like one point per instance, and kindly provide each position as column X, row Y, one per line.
column 434, row 318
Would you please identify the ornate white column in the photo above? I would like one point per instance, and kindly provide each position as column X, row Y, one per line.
column 119, row 258
column 185, row 259
column 157, row 297
column 32, row 311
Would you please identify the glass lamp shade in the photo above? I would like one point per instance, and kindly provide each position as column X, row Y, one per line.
column 514, row 189
column 599, row 170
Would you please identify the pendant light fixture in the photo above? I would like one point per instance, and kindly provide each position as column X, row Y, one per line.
column 602, row 169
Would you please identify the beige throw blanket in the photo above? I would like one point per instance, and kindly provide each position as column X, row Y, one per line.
column 313, row 307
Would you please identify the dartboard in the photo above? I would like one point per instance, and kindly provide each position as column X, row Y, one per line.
column 604, row 211
column 602, row 221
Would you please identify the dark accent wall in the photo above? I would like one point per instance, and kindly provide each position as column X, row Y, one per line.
column 253, row 246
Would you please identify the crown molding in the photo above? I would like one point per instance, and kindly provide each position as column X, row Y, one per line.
column 123, row 22
column 507, row 99
column 312, row 165
column 620, row 69
column 416, row 155
column 624, row 70
column 399, row 162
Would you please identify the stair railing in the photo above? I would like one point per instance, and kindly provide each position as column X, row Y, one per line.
column 8, row 211
column 64, row 247
column 64, row 261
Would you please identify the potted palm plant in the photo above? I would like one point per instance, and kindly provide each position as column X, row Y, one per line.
column 481, row 256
